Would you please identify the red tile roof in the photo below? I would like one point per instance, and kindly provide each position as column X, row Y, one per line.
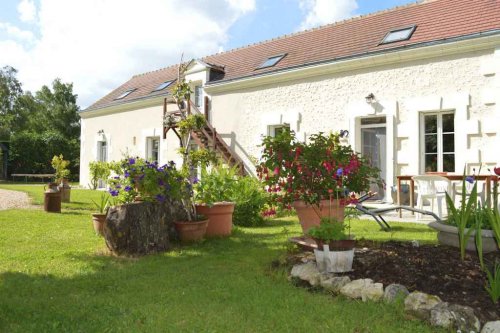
column 436, row 20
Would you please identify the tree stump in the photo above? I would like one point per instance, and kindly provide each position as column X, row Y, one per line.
column 141, row 228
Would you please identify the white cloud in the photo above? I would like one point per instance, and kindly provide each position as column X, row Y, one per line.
column 320, row 12
column 99, row 44
column 26, row 10
column 16, row 33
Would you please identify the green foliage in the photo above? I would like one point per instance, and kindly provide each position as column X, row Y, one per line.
column 98, row 170
column 103, row 204
column 461, row 216
column 493, row 286
column 182, row 90
column 250, row 199
column 294, row 170
column 477, row 211
column 40, row 125
column 216, row 185
column 33, row 152
column 329, row 230
column 493, row 217
column 60, row 165
column 203, row 157
column 193, row 122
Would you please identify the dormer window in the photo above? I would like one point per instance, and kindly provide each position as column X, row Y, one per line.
column 271, row 61
column 125, row 93
column 398, row 35
column 163, row 85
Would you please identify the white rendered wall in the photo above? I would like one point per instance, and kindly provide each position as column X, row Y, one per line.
column 336, row 101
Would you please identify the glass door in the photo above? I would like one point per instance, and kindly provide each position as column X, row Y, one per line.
column 373, row 147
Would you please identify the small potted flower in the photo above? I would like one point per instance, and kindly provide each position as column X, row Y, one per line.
column 335, row 252
column 305, row 175
column 99, row 218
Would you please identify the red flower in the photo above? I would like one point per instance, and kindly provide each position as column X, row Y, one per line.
column 497, row 171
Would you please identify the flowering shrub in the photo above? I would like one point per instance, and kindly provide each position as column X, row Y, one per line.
column 312, row 171
column 149, row 181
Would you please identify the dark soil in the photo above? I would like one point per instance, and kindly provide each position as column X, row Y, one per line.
column 432, row 269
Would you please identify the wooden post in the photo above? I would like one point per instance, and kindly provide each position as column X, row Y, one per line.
column 188, row 102
column 214, row 136
column 206, row 107
column 164, row 114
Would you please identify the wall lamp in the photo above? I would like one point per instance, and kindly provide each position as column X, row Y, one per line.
column 344, row 134
column 370, row 98
column 100, row 131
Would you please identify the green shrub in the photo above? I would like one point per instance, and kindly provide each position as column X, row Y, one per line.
column 99, row 170
column 250, row 199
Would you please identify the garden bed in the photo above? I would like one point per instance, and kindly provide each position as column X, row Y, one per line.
column 433, row 269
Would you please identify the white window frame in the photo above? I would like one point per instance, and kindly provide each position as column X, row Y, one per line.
column 149, row 147
column 198, row 96
column 440, row 133
column 271, row 129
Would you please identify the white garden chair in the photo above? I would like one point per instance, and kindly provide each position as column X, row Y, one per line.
column 432, row 188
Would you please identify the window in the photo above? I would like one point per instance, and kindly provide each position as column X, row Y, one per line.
column 163, row 85
column 276, row 130
column 198, row 94
column 102, row 151
column 125, row 94
column 272, row 61
column 438, row 141
column 153, row 149
column 398, row 35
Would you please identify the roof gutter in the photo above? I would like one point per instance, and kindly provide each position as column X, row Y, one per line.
column 466, row 43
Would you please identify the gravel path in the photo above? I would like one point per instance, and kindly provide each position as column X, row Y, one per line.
column 14, row 199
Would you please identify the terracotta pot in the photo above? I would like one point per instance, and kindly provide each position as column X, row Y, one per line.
column 99, row 220
column 220, row 216
column 310, row 216
column 191, row 231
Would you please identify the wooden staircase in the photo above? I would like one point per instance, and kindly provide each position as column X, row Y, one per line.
column 208, row 138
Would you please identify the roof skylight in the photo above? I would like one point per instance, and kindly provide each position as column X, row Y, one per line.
column 398, row 35
column 163, row 85
column 125, row 93
column 271, row 61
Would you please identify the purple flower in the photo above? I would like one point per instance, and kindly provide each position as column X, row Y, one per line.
column 160, row 198
column 339, row 172
column 118, row 186
column 195, row 180
column 127, row 188
column 116, row 177
column 126, row 174
column 469, row 179
column 114, row 193
column 161, row 182
column 131, row 161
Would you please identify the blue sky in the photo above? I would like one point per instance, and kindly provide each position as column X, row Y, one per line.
column 99, row 44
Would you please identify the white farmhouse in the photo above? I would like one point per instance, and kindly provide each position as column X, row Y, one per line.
column 417, row 87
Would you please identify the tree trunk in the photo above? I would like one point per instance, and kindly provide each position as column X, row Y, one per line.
column 142, row 227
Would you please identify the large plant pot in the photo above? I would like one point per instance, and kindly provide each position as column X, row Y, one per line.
column 448, row 235
column 98, row 220
column 220, row 217
column 191, row 231
column 335, row 260
column 310, row 216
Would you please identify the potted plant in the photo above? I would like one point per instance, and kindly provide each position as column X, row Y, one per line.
column 99, row 218
column 62, row 173
column 213, row 194
column 159, row 184
column 335, row 252
column 304, row 175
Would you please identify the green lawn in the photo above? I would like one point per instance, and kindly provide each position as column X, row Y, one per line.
column 54, row 277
